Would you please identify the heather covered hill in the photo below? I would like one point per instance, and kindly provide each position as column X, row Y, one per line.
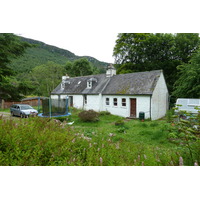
column 41, row 53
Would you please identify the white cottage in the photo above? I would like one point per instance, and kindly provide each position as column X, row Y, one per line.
column 125, row 95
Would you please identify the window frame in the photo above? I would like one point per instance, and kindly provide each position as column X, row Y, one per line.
column 89, row 84
column 107, row 101
column 115, row 102
column 124, row 103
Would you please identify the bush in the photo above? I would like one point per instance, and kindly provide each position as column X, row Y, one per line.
column 169, row 115
column 89, row 116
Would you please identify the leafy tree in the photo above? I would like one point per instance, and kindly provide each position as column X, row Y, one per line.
column 188, row 83
column 46, row 77
column 135, row 52
column 10, row 47
column 80, row 67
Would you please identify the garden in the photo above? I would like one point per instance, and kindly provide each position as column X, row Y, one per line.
column 88, row 138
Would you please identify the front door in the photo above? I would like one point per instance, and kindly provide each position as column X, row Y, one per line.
column 133, row 108
column 71, row 101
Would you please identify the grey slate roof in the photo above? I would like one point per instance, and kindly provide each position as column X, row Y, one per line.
column 130, row 84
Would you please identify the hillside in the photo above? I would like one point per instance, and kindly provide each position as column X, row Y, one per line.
column 42, row 53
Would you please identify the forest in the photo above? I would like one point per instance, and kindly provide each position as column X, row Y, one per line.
column 29, row 67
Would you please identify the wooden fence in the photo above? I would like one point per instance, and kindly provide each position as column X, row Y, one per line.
column 29, row 101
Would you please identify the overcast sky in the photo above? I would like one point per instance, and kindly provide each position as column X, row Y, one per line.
column 95, row 44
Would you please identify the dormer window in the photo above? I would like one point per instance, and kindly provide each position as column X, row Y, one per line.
column 62, row 85
column 89, row 84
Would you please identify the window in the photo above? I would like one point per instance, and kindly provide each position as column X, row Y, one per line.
column 62, row 86
column 115, row 101
column 89, row 84
column 85, row 99
column 107, row 101
column 123, row 102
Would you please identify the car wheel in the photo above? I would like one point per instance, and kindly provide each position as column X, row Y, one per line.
column 12, row 114
column 21, row 115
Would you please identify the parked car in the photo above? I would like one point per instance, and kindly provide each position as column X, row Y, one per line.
column 22, row 110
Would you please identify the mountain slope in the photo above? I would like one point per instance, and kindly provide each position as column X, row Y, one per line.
column 42, row 53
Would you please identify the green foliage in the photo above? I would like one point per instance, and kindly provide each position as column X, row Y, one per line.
column 80, row 67
column 46, row 77
column 44, row 142
column 187, row 135
column 41, row 53
column 10, row 48
column 102, row 113
column 119, row 123
column 169, row 115
column 188, row 84
column 135, row 52
column 89, row 116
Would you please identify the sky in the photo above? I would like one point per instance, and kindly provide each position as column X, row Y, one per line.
column 86, row 28
column 95, row 44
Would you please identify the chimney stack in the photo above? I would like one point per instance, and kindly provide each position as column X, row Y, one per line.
column 111, row 71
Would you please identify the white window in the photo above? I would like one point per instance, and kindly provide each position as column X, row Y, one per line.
column 123, row 102
column 62, row 86
column 115, row 101
column 107, row 101
column 89, row 84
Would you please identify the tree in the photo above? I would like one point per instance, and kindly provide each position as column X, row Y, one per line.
column 188, row 83
column 46, row 77
column 80, row 67
column 135, row 52
column 10, row 47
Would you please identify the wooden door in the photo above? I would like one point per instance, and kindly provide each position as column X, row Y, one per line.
column 133, row 108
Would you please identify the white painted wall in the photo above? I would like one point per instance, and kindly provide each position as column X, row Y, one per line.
column 77, row 101
column 93, row 103
column 142, row 105
column 159, row 99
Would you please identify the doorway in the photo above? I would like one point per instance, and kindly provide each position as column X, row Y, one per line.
column 71, row 101
column 133, row 108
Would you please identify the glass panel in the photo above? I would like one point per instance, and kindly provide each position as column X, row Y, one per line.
column 115, row 101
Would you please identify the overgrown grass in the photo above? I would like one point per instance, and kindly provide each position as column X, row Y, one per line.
column 45, row 142
column 5, row 110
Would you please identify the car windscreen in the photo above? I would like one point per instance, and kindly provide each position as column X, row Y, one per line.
column 26, row 107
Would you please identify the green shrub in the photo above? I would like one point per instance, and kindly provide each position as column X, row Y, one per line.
column 89, row 116
column 169, row 116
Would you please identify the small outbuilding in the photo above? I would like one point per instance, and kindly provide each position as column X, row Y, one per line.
column 126, row 95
